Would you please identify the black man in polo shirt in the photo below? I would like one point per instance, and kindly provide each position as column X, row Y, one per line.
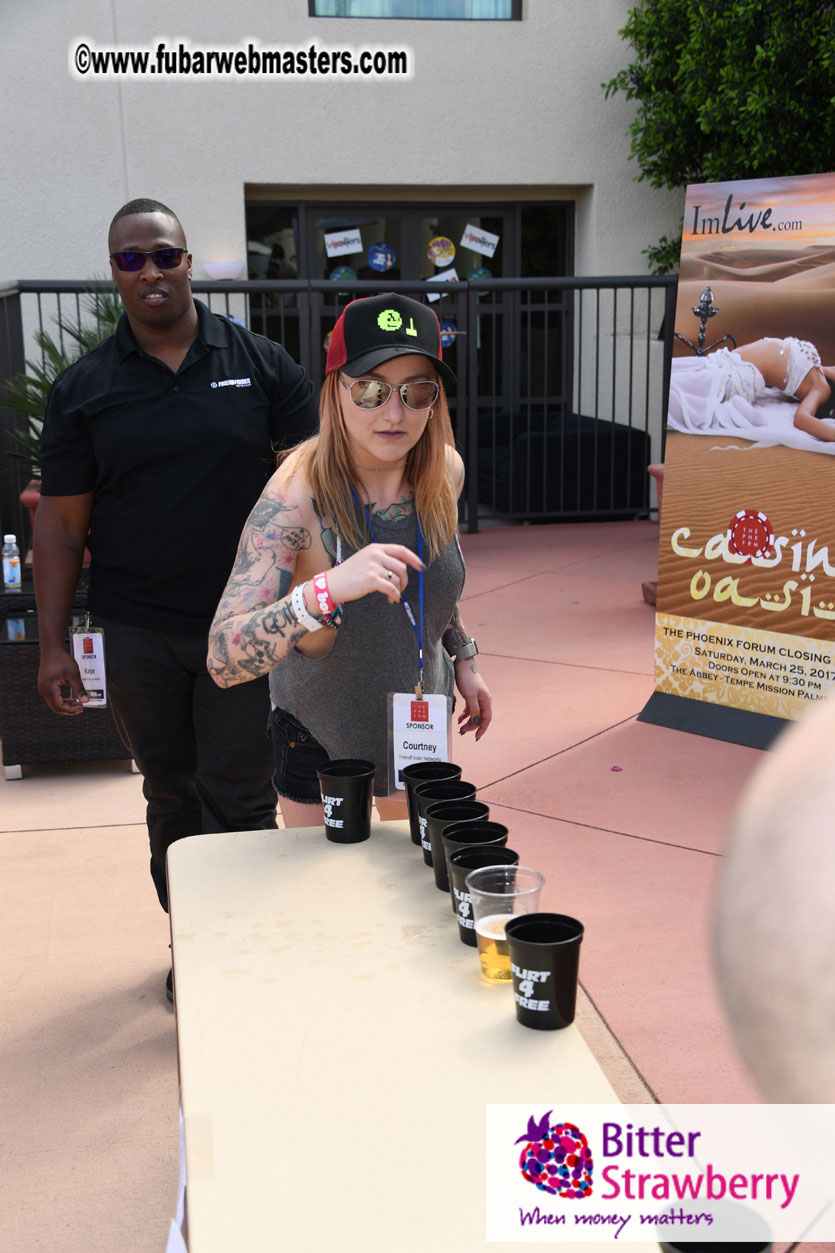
column 158, row 444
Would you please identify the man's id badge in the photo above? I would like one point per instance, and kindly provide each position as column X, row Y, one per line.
column 418, row 730
column 88, row 651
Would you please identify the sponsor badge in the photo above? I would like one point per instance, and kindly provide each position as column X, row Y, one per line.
column 88, row 651
column 418, row 730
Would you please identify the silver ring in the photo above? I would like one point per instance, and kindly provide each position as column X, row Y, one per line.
column 389, row 574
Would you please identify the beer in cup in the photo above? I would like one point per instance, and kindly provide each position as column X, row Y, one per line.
column 498, row 894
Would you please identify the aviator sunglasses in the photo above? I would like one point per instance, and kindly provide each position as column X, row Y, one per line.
column 374, row 393
column 163, row 258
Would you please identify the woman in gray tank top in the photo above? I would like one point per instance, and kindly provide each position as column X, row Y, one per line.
column 328, row 571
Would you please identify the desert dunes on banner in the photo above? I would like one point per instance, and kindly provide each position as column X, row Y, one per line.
column 774, row 291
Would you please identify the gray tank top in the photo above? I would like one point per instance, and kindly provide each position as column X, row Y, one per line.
column 341, row 698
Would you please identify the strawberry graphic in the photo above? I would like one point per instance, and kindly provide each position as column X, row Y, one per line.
column 556, row 1159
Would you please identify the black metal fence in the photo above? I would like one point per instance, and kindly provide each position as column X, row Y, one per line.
column 562, row 383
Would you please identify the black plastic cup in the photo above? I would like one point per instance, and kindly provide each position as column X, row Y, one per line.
column 347, row 788
column 426, row 794
column 689, row 1246
column 481, row 833
column 461, row 861
column 441, row 814
column 424, row 772
column 544, row 958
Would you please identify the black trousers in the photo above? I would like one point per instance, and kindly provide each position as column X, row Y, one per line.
column 204, row 751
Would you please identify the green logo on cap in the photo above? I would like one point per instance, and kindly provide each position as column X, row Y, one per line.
column 389, row 320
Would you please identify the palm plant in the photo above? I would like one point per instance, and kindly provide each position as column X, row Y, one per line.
column 27, row 393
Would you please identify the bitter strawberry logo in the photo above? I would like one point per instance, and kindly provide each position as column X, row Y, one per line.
column 556, row 1158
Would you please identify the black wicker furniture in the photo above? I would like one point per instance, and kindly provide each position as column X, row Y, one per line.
column 31, row 732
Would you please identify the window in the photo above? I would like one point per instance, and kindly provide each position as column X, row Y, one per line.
column 408, row 240
column 519, row 334
column 469, row 10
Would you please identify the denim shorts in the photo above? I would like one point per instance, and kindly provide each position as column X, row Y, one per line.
column 297, row 758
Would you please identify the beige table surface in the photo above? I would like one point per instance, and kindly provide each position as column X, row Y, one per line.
column 337, row 1048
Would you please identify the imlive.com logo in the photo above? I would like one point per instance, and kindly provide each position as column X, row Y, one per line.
column 556, row 1158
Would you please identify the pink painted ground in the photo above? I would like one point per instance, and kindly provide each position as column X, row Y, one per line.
column 567, row 647
column 88, row 1080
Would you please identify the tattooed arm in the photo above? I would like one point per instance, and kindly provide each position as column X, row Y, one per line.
column 478, row 703
column 255, row 625
column 455, row 635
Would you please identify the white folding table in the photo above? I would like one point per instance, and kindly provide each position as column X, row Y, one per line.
column 337, row 1047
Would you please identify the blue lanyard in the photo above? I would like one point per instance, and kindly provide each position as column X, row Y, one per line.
column 418, row 630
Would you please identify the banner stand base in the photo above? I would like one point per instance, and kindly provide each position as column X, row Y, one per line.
column 717, row 722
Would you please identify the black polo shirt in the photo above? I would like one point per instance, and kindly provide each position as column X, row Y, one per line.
column 176, row 462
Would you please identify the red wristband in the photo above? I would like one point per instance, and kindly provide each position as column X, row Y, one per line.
column 324, row 604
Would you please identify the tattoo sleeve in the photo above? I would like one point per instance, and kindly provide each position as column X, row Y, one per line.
column 455, row 635
column 253, row 645
column 255, row 625
column 327, row 532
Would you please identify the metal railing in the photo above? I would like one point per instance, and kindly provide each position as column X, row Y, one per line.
column 562, row 382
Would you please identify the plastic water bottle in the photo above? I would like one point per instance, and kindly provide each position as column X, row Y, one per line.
column 11, row 564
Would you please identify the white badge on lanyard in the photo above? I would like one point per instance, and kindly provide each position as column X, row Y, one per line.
column 88, row 650
column 418, row 730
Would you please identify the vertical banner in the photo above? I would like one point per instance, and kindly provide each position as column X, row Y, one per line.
column 745, row 625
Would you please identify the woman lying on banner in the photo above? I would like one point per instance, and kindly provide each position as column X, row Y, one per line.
column 746, row 390
column 348, row 573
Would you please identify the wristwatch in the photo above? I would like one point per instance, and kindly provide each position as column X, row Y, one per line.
column 469, row 649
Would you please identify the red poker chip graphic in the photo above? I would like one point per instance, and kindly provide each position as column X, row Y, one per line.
column 750, row 534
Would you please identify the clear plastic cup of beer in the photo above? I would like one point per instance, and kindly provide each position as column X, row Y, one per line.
column 498, row 894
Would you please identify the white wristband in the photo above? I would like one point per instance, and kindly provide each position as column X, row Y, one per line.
column 300, row 609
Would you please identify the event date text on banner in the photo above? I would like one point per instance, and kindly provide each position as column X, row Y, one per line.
column 761, row 671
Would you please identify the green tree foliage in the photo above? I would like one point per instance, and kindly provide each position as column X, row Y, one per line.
column 27, row 393
column 729, row 90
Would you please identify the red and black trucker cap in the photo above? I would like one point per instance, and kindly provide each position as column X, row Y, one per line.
column 376, row 328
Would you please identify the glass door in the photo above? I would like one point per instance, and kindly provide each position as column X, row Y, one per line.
column 521, row 354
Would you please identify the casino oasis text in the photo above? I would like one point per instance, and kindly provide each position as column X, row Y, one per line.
column 806, row 558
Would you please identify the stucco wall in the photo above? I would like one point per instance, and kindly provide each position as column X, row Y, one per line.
column 490, row 104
